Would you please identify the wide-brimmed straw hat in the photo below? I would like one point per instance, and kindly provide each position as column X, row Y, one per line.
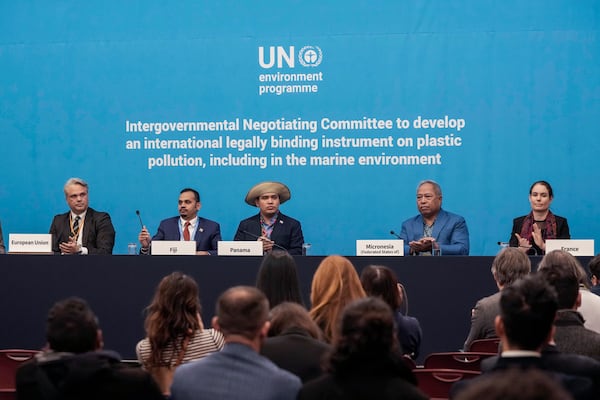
column 268, row 187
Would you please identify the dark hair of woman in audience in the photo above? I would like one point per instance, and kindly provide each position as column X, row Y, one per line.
column 365, row 362
column 294, row 341
column 335, row 284
column 380, row 281
column 277, row 278
column 174, row 329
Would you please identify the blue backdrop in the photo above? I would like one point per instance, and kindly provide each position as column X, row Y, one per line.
column 515, row 86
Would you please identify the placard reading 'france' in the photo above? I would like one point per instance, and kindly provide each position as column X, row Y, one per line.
column 349, row 104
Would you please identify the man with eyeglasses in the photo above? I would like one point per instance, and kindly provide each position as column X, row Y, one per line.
column 434, row 228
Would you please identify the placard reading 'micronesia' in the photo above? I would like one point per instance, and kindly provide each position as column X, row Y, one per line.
column 348, row 104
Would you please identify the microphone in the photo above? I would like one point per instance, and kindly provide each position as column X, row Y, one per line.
column 395, row 234
column 140, row 218
column 258, row 237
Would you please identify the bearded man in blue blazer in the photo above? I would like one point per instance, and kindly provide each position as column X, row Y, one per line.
column 434, row 227
column 187, row 226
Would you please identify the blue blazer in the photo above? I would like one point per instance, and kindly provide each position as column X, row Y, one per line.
column 287, row 232
column 207, row 234
column 450, row 231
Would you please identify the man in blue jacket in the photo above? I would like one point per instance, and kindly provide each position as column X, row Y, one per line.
column 434, row 228
column 187, row 226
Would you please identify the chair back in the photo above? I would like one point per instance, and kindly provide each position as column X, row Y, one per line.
column 485, row 345
column 10, row 360
column 8, row 394
column 436, row 383
column 466, row 361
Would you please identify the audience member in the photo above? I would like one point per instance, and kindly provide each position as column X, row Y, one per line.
column 238, row 371
column 82, row 230
column 270, row 226
column 594, row 266
column 187, row 226
column 380, row 281
column 334, row 285
column 527, row 311
column 513, row 384
column 278, row 278
column 294, row 341
column 75, row 367
column 366, row 362
column 559, row 269
column 509, row 265
column 529, row 232
column 174, row 330
column 434, row 226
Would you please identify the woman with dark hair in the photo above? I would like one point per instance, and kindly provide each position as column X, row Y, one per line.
column 366, row 362
column 174, row 329
column 529, row 232
column 294, row 341
column 277, row 278
column 380, row 281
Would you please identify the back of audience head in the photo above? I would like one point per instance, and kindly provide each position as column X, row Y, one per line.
column 509, row 265
column 514, row 384
column 287, row 315
column 73, row 327
column 566, row 260
column 564, row 278
column 380, row 281
column 278, row 278
column 243, row 312
column 334, row 285
column 366, row 341
column 173, row 314
column 594, row 267
column 527, row 311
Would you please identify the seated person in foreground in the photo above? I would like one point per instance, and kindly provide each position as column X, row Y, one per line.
column 272, row 227
column 187, row 226
column 434, row 227
column 295, row 342
column 508, row 266
column 380, row 281
column 75, row 367
column 530, row 231
column 175, row 334
column 366, row 362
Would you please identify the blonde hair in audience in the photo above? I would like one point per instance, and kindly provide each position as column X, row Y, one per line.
column 334, row 285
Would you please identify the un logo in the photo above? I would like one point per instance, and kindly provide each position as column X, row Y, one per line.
column 310, row 56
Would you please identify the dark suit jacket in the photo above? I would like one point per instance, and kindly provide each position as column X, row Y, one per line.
column 450, row 231
column 207, row 234
column 297, row 352
column 287, row 232
column 566, row 363
column 578, row 386
column 92, row 376
column 562, row 231
column 98, row 232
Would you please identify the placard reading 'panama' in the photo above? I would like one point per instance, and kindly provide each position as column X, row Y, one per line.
column 350, row 105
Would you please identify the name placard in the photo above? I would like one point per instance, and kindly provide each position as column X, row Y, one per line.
column 30, row 243
column 173, row 248
column 577, row 247
column 240, row 248
column 388, row 247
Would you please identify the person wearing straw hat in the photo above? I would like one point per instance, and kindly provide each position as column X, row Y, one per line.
column 274, row 229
